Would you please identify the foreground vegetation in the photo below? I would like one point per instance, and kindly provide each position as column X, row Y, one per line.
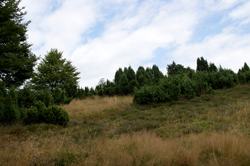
column 212, row 129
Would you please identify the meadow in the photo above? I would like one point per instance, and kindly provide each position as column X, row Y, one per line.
column 213, row 129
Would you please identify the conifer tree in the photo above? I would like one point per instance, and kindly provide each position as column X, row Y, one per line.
column 202, row 64
column 55, row 71
column 124, row 85
column 16, row 59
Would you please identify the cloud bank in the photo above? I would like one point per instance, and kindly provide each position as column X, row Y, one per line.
column 99, row 36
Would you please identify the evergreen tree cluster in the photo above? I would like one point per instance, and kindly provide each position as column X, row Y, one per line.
column 127, row 80
column 189, row 83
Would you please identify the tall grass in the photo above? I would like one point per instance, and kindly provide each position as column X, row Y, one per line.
column 97, row 107
column 141, row 148
column 147, row 149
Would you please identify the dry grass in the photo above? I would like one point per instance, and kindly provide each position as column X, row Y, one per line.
column 97, row 108
column 78, row 144
column 142, row 148
column 148, row 149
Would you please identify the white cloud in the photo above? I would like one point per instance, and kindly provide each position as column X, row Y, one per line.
column 132, row 30
column 59, row 24
column 219, row 5
column 227, row 49
column 242, row 12
column 134, row 38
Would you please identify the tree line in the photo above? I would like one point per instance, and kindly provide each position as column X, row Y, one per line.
column 31, row 95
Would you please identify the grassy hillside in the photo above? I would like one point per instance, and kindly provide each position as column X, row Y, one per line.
column 208, row 130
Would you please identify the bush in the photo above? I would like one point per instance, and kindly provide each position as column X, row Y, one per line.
column 187, row 88
column 247, row 76
column 11, row 111
column 45, row 97
column 172, row 88
column 56, row 115
column 168, row 90
column 41, row 108
column 3, row 98
column 60, row 97
column 144, row 95
column 202, row 85
column 23, row 113
column 26, row 97
column 242, row 77
column 32, row 116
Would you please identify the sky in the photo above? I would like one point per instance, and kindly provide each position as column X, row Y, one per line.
column 101, row 36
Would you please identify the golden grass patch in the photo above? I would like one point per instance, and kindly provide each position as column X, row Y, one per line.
column 97, row 108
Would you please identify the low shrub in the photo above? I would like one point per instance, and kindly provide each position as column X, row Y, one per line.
column 56, row 115
column 32, row 116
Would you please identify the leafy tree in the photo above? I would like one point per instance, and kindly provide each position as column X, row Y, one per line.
column 202, row 64
column 16, row 60
column 55, row 71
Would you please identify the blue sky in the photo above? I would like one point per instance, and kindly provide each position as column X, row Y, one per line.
column 99, row 36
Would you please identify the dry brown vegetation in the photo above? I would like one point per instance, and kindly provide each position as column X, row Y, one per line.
column 97, row 107
column 141, row 148
column 113, row 131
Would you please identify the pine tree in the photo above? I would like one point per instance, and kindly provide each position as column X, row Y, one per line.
column 124, row 85
column 55, row 71
column 16, row 60
column 202, row 64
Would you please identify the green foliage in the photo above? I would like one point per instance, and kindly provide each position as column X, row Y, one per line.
column 145, row 95
column 10, row 110
column 245, row 68
column 86, row 90
column 172, row 88
column 242, row 77
column 32, row 116
column 60, row 97
column 187, row 88
column 56, row 115
column 80, row 94
column 157, row 74
column 45, row 96
column 55, row 71
column 130, row 74
column 140, row 76
column 202, row 65
column 52, row 115
column 3, row 98
column 247, row 76
column 174, row 69
column 118, row 75
column 223, row 79
column 16, row 60
column 168, row 90
column 26, row 97
column 124, row 85
column 243, row 74
column 212, row 68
